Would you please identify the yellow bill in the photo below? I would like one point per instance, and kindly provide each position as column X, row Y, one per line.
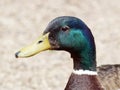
column 41, row 44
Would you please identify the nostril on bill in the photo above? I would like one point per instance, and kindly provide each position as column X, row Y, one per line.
column 16, row 54
column 40, row 41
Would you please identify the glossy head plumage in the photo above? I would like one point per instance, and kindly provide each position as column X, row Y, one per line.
column 68, row 32
column 73, row 35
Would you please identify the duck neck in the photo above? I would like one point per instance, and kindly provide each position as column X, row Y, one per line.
column 84, row 76
column 84, row 60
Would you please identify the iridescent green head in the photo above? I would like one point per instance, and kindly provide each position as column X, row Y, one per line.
column 72, row 35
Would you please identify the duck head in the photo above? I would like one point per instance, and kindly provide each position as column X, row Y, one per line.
column 69, row 34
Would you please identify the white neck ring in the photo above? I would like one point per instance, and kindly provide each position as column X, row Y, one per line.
column 84, row 72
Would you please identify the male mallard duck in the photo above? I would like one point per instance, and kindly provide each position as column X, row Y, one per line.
column 72, row 35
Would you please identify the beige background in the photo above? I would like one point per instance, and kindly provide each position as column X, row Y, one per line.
column 22, row 21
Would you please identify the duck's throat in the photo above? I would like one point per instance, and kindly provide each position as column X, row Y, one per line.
column 84, row 61
column 84, row 76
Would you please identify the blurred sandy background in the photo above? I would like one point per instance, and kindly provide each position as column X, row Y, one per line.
column 22, row 21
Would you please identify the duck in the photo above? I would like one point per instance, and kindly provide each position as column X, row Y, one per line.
column 72, row 35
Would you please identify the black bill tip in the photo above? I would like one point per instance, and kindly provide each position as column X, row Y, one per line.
column 16, row 54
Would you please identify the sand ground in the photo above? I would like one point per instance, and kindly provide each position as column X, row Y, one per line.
column 22, row 21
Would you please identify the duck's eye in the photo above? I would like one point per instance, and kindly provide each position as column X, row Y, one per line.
column 65, row 28
column 40, row 41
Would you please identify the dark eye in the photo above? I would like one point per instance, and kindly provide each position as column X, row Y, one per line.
column 65, row 28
